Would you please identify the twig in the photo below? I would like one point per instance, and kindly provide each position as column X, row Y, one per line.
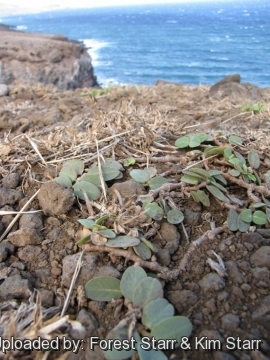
column 163, row 272
column 210, row 235
column 74, row 278
column 34, row 146
column 251, row 187
column 17, row 216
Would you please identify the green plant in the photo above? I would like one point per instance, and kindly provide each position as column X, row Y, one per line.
column 87, row 184
column 96, row 92
column 255, row 108
column 193, row 140
column 149, row 316
column 243, row 220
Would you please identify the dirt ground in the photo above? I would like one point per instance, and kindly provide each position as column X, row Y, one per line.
column 42, row 127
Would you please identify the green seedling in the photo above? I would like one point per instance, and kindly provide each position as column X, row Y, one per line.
column 243, row 221
column 254, row 108
column 147, row 309
column 192, row 140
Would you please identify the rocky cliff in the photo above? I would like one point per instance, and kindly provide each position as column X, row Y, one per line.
column 49, row 59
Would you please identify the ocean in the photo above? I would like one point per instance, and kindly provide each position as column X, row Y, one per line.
column 184, row 43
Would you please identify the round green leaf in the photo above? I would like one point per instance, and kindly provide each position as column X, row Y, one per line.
column 147, row 290
column 93, row 179
column 91, row 190
column 77, row 165
column 195, row 196
column 151, row 246
column 113, row 164
column 157, row 182
column 234, row 172
column 149, row 354
column 107, row 233
column 123, row 241
column 154, row 211
column 103, row 288
column 268, row 214
column 156, row 311
column 87, row 223
column 201, row 172
column 174, row 327
column 131, row 279
column 216, row 192
column 142, row 251
column 234, row 139
column 193, row 180
column 232, row 220
column 214, row 172
column 254, row 159
column 152, row 171
column 259, row 217
column 108, row 172
column 203, row 197
column 182, row 142
column 194, row 141
column 242, row 225
column 64, row 181
column 246, row 215
column 202, row 137
column 118, row 333
column 140, row 176
column 175, row 216
column 69, row 172
column 227, row 152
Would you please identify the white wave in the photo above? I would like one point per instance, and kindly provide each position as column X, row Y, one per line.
column 93, row 46
column 108, row 82
column 21, row 27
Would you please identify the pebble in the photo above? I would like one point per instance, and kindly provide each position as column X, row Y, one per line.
column 237, row 292
column 87, row 271
column 31, row 221
column 11, row 181
column 182, row 299
column 246, row 287
column 230, row 322
column 253, row 238
column 9, row 196
column 54, row 199
column 24, row 237
column 46, row 297
column 164, row 257
column 223, row 295
column 261, row 273
column 89, row 321
column 14, row 287
column 261, row 314
column 4, row 90
column 4, row 251
column 233, row 272
column 261, row 257
column 107, row 270
column 264, row 233
column 212, row 282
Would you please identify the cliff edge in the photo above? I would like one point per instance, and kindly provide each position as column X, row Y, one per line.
column 49, row 59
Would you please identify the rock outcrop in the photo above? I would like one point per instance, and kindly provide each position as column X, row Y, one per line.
column 49, row 59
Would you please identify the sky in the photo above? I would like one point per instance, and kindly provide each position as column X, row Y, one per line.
column 12, row 7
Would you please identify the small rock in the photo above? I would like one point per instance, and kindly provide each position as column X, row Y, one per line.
column 18, row 265
column 261, row 257
column 46, row 297
column 11, row 247
column 182, row 299
column 253, row 238
column 233, row 272
column 223, row 295
column 9, row 196
column 108, row 270
column 11, row 181
column 230, row 322
column 128, row 189
column 211, row 334
column 191, row 217
column 164, row 257
column 238, row 292
column 261, row 314
column 86, row 273
column 31, row 221
column 54, row 199
column 171, row 235
column 261, row 273
column 30, row 253
column 212, row 282
column 221, row 355
column 264, row 233
column 25, row 236
column 89, row 321
column 3, row 252
column 15, row 287
column 4, row 90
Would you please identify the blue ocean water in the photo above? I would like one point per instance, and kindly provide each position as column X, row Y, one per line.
column 186, row 43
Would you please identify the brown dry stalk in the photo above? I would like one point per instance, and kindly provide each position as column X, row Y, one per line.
column 251, row 187
column 163, row 272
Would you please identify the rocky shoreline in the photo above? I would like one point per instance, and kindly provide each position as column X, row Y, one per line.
column 47, row 59
column 43, row 124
